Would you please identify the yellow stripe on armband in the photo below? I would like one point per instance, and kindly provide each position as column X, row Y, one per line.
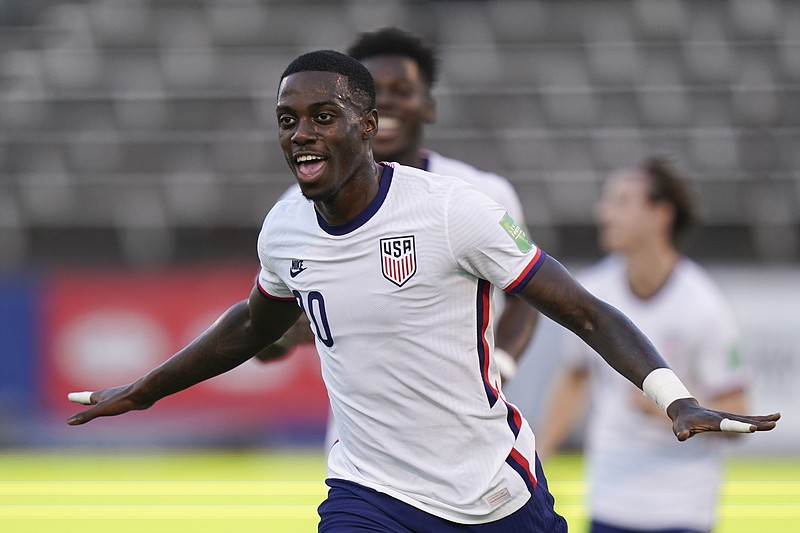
column 663, row 387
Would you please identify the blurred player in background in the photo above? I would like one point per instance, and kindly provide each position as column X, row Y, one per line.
column 405, row 69
column 395, row 268
column 640, row 479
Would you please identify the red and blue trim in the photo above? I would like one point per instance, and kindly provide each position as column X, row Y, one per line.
column 513, row 417
column 483, row 302
column 483, row 306
column 269, row 296
column 518, row 284
column 521, row 465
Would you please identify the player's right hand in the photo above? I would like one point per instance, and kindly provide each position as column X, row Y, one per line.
column 107, row 402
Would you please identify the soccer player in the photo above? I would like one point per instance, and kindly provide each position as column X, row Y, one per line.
column 639, row 479
column 405, row 69
column 395, row 268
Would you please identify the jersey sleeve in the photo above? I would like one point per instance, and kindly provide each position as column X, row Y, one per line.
column 487, row 242
column 269, row 282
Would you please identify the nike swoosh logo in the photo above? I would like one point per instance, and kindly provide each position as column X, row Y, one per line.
column 295, row 271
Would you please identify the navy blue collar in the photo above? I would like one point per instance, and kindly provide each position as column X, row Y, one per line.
column 383, row 189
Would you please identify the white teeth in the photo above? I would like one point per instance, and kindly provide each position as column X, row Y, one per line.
column 307, row 158
column 388, row 123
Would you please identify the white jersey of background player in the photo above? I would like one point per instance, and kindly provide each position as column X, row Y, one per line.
column 406, row 348
column 494, row 186
column 630, row 455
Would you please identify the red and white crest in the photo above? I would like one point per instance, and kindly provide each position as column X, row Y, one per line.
column 398, row 259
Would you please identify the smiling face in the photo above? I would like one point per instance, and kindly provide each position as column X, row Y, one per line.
column 324, row 134
column 404, row 106
column 627, row 218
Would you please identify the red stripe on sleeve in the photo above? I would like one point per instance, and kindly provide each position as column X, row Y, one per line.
column 526, row 274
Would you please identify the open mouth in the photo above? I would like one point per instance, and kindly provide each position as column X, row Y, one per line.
column 387, row 127
column 309, row 166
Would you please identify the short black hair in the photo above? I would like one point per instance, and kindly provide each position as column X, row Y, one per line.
column 667, row 185
column 359, row 80
column 394, row 41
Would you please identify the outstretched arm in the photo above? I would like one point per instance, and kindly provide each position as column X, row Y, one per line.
column 555, row 293
column 241, row 332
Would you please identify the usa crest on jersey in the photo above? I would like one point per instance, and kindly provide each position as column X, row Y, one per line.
column 398, row 259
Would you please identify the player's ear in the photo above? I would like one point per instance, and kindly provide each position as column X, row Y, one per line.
column 370, row 124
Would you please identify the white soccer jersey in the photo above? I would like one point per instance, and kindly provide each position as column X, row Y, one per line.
column 494, row 186
column 400, row 303
column 632, row 456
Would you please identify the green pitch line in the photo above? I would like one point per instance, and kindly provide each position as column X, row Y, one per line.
column 268, row 491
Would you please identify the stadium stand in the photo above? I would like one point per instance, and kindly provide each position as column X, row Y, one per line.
column 143, row 132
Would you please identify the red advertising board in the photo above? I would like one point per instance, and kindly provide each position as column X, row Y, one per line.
column 107, row 328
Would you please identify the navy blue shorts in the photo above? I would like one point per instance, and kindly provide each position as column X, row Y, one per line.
column 352, row 508
column 600, row 527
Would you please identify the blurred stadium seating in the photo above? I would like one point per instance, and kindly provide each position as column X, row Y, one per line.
column 142, row 132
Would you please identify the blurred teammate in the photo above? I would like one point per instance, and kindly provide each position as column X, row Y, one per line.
column 395, row 268
column 640, row 480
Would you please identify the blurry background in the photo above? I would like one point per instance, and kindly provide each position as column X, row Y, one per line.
column 138, row 157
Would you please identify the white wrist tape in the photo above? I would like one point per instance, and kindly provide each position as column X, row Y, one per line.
column 505, row 363
column 663, row 387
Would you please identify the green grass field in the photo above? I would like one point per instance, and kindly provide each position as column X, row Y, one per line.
column 267, row 491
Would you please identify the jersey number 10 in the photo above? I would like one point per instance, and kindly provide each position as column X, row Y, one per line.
column 314, row 308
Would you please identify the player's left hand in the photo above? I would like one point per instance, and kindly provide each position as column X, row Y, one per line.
column 690, row 418
column 107, row 402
